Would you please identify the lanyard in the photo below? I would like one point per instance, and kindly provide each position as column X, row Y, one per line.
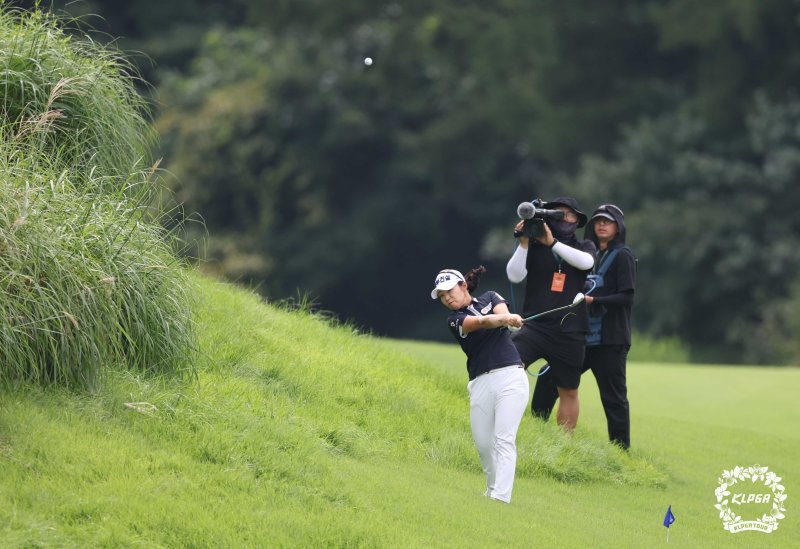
column 558, row 259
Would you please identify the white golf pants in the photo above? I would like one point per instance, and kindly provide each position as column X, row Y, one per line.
column 497, row 401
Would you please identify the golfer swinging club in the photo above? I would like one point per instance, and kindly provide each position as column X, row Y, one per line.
column 498, row 387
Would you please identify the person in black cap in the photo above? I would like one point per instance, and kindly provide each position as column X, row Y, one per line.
column 556, row 265
column 609, row 296
column 610, row 305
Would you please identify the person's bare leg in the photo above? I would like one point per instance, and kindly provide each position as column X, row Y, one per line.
column 568, row 409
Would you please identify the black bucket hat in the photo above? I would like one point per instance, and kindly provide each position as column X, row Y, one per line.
column 570, row 203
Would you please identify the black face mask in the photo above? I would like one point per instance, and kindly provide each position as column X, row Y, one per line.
column 562, row 230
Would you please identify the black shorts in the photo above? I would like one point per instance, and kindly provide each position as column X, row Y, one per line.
column 564, row 352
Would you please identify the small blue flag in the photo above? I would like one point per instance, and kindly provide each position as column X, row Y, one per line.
column 669, row 518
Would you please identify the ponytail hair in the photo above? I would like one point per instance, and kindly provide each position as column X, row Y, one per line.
column 473, row 277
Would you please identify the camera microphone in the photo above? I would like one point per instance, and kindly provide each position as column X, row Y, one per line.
column 526, row 210
column 534, row 217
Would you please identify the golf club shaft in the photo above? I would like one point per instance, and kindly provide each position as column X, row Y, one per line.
column 537, row 315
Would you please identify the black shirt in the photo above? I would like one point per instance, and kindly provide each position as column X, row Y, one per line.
column 485, row 349
column 541, row 264
column 614, row 300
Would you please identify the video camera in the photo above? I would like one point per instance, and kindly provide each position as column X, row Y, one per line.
column 535, row 215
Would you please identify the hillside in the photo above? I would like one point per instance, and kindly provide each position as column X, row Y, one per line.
column 297, row 432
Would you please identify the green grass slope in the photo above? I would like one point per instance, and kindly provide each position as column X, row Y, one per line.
column 297, row 433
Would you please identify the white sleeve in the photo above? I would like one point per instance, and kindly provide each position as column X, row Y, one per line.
column 578, row 259
column 516, row 269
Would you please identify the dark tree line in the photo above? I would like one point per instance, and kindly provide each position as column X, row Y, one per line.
column 316, row 173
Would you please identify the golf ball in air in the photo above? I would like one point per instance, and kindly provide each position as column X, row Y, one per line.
column 368, row 61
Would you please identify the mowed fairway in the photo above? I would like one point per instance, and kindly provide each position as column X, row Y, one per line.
column 302, row 434
column 692, row 422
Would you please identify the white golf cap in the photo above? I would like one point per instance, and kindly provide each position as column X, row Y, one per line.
column 446, row 280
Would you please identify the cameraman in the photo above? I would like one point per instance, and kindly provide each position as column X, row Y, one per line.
column 555, row 264
column 609, row 338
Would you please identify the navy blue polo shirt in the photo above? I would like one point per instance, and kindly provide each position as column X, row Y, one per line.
column 485, row 349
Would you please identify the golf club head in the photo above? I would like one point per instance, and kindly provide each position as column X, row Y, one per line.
column 578, row 298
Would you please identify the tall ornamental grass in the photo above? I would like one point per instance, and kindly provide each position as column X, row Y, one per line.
column 87, row 284
column 88, row 276
column 73, row 98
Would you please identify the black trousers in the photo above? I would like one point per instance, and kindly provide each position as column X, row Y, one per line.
column 608, row 363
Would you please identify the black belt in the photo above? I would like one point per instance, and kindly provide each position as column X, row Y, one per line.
column 498, row 369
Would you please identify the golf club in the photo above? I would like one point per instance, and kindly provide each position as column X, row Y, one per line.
column 579, row 297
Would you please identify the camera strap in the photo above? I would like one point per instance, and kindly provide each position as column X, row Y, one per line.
column 596, row 312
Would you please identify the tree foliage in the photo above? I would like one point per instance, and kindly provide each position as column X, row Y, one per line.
column 340, row 171
column 318, row 174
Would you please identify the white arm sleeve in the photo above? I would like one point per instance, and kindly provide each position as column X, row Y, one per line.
column 578, row 259
column 516, row 269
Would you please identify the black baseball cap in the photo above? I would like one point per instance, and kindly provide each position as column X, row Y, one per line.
column 607, row 211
